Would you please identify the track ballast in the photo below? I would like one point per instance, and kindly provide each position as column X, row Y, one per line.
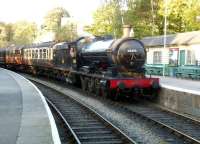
column 86, row 126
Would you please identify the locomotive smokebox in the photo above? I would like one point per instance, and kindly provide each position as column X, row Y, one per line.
column 129, row 53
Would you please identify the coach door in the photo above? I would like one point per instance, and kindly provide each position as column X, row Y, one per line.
column 182, row 57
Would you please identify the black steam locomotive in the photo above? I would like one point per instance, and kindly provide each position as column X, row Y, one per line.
column 101, row 65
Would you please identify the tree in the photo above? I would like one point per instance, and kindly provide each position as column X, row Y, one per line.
column 53, row 19
column 181, row 15
column 139, row 15
column 107, row 20
column 67, row 32
column 6, row 34
column 24, row 32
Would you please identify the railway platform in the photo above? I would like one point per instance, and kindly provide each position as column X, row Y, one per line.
column 182, row 95
column 25, row 117
column 184, row 85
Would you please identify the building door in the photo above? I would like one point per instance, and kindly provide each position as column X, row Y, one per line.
column 182, row 57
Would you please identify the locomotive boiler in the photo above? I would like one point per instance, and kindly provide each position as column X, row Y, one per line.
column 125, row 54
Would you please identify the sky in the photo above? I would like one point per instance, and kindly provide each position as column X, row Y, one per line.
column 35, row 10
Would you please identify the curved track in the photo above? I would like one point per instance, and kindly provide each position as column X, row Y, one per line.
column 182, row 126
column 86, row 126
column 179, row 125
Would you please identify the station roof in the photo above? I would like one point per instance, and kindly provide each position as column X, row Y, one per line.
column 186, row 38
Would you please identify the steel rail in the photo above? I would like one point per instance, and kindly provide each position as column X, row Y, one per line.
column 105, row 122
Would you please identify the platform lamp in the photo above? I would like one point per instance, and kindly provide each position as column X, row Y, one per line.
column 165, row 31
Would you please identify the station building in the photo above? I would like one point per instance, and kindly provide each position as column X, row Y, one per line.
column 180, row 57
column 181, row 49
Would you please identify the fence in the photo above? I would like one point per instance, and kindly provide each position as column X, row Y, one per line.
column 187, row 71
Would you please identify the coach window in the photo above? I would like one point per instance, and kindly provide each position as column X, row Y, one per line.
column 36, row 54
column 29, row 54
column 51, row 57
column 33, row 54
column 25, row 54
column 44, row 53
column 47, row 53
column 40, row 54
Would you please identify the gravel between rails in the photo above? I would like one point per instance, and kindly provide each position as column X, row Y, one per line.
column 141, row 131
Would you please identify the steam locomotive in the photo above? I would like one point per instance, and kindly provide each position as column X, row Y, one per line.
column 101, row 65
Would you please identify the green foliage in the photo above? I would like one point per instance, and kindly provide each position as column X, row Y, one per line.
column 107, row 20
column 24, row 32
column 181, row 15
column 18, row 33
column 146, row 17
column 6, row 34
column 67, row 32
column 140, row 16
column 53, row 19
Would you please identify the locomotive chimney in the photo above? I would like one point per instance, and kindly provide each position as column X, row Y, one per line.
column 127, row 31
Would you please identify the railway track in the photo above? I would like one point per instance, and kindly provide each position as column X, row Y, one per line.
column 65, row 135
column 180, row 125
column 86, row 126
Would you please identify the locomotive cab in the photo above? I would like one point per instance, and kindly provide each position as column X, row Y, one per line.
column 61, row 55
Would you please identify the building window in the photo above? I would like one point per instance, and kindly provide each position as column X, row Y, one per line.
column 173, row 56
column 190, row 58
column 157, row 57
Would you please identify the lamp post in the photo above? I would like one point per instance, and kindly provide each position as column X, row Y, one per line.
column 165, row 31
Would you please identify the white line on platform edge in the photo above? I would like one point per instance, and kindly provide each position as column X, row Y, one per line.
column 54, row 130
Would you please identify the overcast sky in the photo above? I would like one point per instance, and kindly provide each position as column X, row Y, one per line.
column 35, row 10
